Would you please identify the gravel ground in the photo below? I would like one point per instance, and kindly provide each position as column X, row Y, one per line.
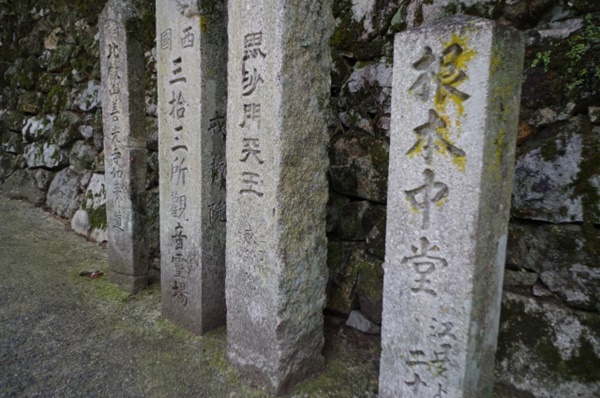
column 63, row 335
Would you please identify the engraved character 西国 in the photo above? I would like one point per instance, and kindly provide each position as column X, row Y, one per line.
column 165, row 40
column 187, row 39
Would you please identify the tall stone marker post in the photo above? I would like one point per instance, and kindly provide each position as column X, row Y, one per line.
column 279, row 83
column 455, row 107
column 123, row 112
column 192, row 101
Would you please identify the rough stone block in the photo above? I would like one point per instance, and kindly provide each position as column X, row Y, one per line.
column 80, row 222
column 564, row 256
column 37, row 128
column 279, row 86
column 13, row 143
column 360, row 321
column 64, row 196
column 545, row 350
column 82, row 156
column 65, row 130
column 343, row 263
column 455, row 106
column 192, row 101
column 21, row 184
column 43, row 178
column 351, row 220
column 557, row 174
column 8, row 164
column 43, row 154
column 359, row 166
column 369, row 288
column 90, row 219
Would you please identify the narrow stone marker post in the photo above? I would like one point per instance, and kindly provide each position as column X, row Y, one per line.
column 192, row 100
column 279, row 83
column 455, row 106
column 122, row 68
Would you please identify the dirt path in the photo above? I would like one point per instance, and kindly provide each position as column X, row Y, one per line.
column 62, row 335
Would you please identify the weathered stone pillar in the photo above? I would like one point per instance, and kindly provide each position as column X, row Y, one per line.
column 122, row 67
column 455, row 107
column 192, row 95
column 279, row 82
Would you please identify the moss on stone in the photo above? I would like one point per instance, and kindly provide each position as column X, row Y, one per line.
column 398, row 20
column 62, row 57
column 588, row 170
column 84, row 63
column 592, row 321
column 584, row 366
column 371, row 277
column 542, row 58
column 46, row 82
column 342, row 262
column 30, row 102
column 148, row 25
column 26, row 73
column 532, row 329
column 550, row 150
column 525, row 327
column 97, row 217
column 56, row 100
column 359, row 166
column 342, row 35
column 564, row 70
